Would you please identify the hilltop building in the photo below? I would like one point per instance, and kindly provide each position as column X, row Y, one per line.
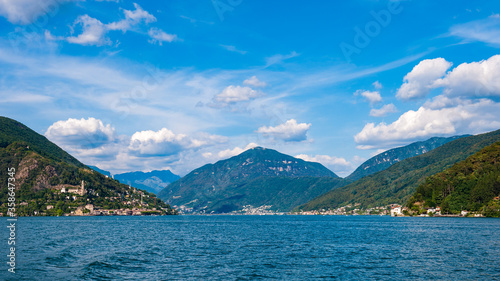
column 79, row 190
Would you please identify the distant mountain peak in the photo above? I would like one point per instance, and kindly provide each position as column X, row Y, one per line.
column 258, row 148
column 153, row 181
column 257, row 176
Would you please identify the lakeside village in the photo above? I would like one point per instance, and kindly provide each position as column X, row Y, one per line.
column 394, row 210
column 71, row 200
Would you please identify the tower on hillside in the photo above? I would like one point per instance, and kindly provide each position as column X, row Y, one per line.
column 82, row 190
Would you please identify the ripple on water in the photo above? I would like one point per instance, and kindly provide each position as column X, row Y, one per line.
column 249, row 248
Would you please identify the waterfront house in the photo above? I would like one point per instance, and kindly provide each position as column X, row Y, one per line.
column 396, row 211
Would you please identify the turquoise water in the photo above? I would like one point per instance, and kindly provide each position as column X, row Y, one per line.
column 254, row 247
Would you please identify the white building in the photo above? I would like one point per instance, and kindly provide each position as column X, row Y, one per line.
column 396, row 211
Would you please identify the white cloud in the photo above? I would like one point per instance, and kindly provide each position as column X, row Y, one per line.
column 442, row 101
column 159, row 36
column 378, row 151
column 253, row 81
column 463, row 107
column 81, row 133
column 161, row 143
column 419, row 82
column 279, row 58
column 93, row 32
column 49, row 37
column 377, row 85
column 132, row 18
column 371, row 97
column 233, row 94
column 235, row 151
column 334, row 163
column 205, row 139
column 484, row 30
column 27, row 11
column 166, row 143
column 466, row 117
column 473, row 79
column 207, row 154
column 384, row 110
column 290, row 131
column 233, row 49
column 93, row 143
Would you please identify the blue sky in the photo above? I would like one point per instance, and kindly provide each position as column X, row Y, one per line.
column 174, row 85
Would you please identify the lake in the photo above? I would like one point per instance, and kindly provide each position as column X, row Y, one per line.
column 254, row 247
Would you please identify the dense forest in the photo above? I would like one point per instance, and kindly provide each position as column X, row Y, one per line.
column 472, row 185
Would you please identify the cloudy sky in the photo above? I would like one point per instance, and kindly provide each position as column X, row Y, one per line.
column 174, row 85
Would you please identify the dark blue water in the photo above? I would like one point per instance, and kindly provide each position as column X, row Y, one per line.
column 254, row 247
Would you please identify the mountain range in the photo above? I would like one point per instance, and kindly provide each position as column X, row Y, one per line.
column 255, row 178
column 153, row 181
column 397, row 183
column 454, row 171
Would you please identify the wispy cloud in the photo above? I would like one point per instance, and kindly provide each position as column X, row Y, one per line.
column 344, row 73
column 233, row 49
column 195, row 21
column 255, row 82
column 94, row 31
column 371, row 96
column 159, row 36
column 279, row 58
column 27, row 11
column 383, row 111
column 484, row 30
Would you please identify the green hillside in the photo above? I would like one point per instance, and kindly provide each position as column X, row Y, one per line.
column 398, row 183
column 256, row 177
column 12, row 131
column 469, row 185
column 42, row 170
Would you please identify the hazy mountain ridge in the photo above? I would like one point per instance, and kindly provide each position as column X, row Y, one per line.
column 153, row 181
column 97, row 169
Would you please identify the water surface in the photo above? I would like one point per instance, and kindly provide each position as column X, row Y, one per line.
column 254, row 247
